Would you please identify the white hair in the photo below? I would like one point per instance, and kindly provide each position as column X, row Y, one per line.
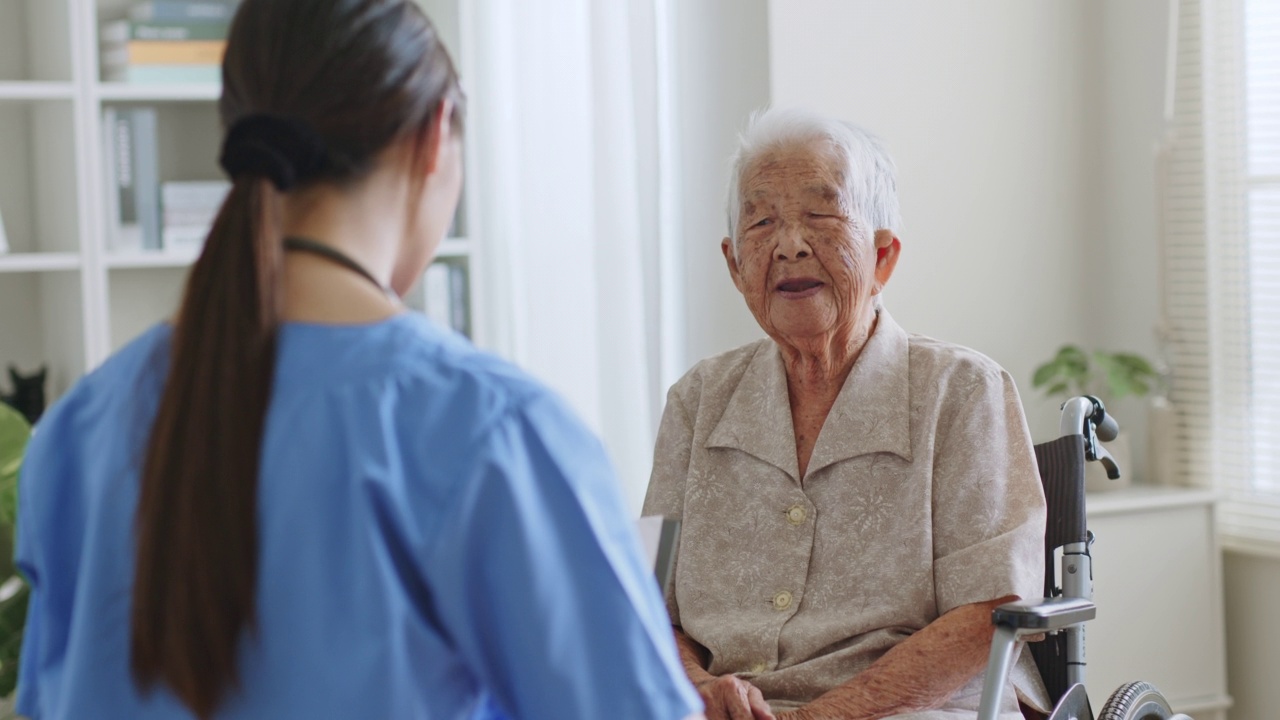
column 870, row 175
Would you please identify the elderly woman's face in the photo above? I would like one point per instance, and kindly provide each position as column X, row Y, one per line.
column 805, row 266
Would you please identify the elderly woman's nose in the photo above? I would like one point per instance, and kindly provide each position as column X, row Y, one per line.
column 792, row 245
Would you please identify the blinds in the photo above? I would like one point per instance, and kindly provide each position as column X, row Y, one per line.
column 1222, row 258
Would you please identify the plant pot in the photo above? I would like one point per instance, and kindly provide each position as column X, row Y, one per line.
column 1095, row 475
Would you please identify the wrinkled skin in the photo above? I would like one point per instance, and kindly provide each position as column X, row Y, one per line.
column 805, row 265
column 809, row 270
column 731, row 698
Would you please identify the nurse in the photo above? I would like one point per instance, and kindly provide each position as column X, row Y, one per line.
column 297, row 500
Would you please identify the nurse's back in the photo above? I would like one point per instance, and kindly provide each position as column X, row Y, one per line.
column 298, row 501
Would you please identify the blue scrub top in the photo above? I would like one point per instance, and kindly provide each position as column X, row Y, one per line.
column 439, row 538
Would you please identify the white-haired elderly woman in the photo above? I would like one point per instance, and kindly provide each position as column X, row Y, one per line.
column 855, row 499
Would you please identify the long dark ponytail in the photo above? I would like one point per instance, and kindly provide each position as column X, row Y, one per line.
column 349, row 77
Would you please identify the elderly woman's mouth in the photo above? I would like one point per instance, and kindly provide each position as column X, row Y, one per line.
column 799, row 288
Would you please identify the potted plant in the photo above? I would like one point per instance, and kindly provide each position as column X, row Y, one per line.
column 1109, row 376
column 14, row 433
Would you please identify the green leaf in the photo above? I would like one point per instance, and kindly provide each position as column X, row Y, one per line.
column 1044, row 374
column 1138, row 366
column 1073, row 358
column 14, row 433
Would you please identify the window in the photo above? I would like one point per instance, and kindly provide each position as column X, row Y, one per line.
column 1221, row 170
column 1262, row 183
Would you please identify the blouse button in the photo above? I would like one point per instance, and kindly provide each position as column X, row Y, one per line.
column 782, row 600
column 796, row 514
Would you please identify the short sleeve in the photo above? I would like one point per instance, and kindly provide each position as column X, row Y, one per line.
column 988, row 504
column 538, row 580
column 665, row 495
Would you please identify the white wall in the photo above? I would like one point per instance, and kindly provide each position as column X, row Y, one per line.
column 1023, row 133
column 1130, row 77
column 1253, row 635
column 981, row 104
column 722, row 75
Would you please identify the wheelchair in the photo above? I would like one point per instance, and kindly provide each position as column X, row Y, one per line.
column 1068, row 585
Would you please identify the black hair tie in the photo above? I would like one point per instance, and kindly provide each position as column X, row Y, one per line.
column 284, row 150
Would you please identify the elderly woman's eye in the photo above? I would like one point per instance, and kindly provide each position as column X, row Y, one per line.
column 763, row 222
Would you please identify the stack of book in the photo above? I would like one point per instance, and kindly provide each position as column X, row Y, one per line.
column 189, row 209
column 142, row 212
column 133, row 178
column 167, row 41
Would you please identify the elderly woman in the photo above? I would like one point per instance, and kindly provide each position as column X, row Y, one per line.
column 855, row 499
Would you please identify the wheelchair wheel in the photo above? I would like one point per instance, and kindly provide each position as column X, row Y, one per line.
column 1136, row 701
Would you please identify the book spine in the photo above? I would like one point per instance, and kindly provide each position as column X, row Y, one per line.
column 125, row 176
column 185, row 52
column 459, row 299
column 181, row 11
column 160, row 74
column 146, row 176
column 122, row 31
column 199, row 195
column 109, row 177
column 185, row 237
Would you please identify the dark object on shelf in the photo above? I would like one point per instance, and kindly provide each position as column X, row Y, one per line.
column 28, row 393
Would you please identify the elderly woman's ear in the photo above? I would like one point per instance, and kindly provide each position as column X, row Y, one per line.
column 731, row 259
column 888, row 247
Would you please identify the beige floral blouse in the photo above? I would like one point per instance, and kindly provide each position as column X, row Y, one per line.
column 921, row 495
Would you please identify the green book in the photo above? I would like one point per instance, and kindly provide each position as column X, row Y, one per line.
column 122, row 31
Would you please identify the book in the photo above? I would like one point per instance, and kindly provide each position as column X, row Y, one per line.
column 122, row 31
column 186, row 237
column 437, row 299
column 165, row 52
column 189, row 209
column 212, row 11
column 658, row 538
column 194, row 194
column 162, row 74
column 444, row 295
column 115, row 223
column 134, row 185
column 459, row 299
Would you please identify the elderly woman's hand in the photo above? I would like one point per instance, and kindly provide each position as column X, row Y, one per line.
column 731, row 698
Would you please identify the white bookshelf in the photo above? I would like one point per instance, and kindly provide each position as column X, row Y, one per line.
column 37, row 91
column 67, row 300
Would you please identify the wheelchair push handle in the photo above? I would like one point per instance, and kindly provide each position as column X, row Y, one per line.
column 1086, row 415
column 1108, row 428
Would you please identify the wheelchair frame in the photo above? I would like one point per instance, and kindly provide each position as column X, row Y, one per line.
column 1065, row 609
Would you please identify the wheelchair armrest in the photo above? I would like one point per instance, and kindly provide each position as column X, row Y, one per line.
column 1043, row 615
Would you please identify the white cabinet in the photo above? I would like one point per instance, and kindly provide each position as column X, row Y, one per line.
column 1157, row 572
column 66, row 299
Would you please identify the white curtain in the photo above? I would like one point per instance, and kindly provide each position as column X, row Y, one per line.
column 574, row 192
